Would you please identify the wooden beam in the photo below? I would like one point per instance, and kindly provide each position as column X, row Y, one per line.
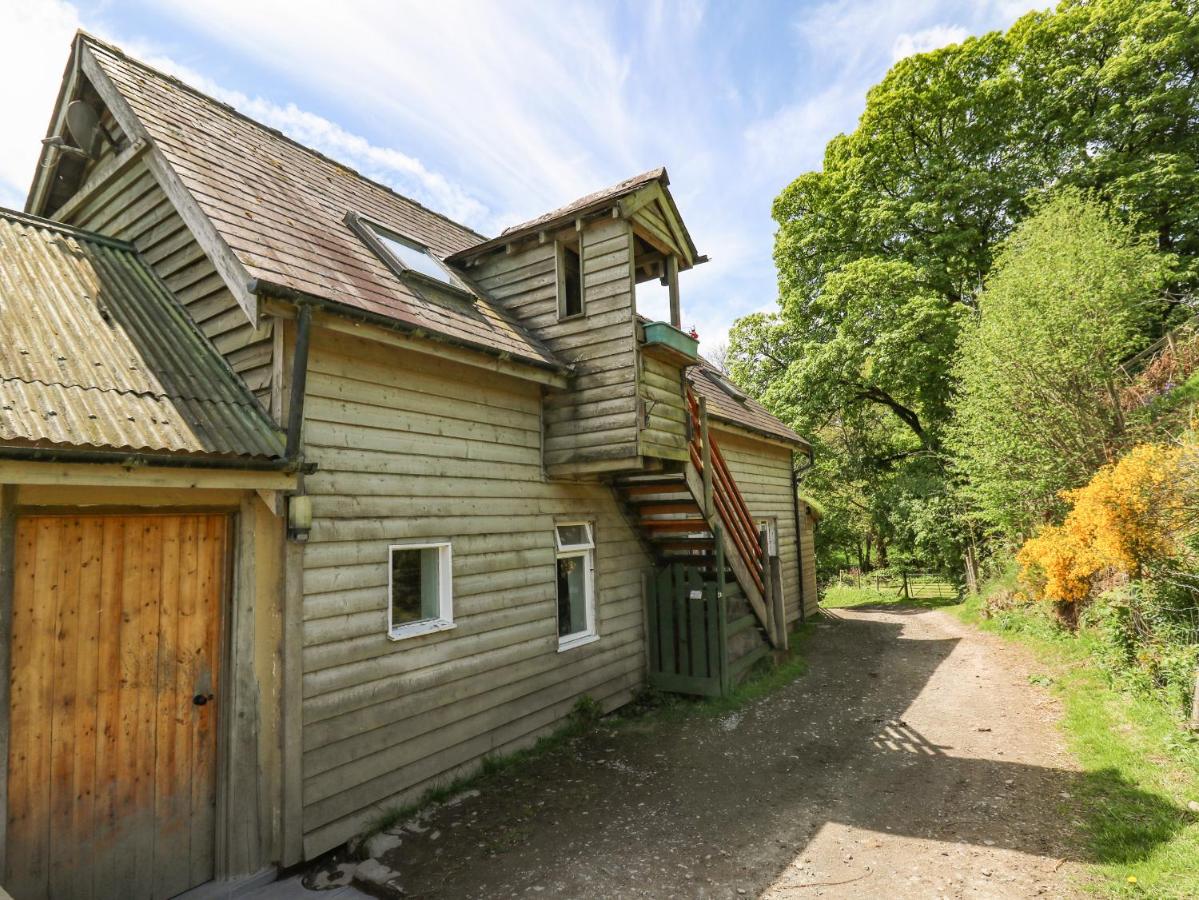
column 21, row 472
column 230, row 268
column 99, row 178
column 292, row 703
column 672, row 281
column 706, row 457
column 8, row 521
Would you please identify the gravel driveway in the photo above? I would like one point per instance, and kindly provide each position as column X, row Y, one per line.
column 915, row 759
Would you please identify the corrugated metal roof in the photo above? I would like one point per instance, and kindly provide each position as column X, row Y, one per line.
column 95, row 352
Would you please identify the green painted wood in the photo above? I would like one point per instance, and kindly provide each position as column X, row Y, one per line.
column 666, row 619
column 681, row 620
column 653, row 629
column 697, row 609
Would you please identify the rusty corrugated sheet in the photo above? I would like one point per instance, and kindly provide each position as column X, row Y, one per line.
column 95, row 352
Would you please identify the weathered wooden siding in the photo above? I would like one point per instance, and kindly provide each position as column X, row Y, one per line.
column 597, row 419
column 133, row 207
column 762, row 471
column 807, row 540
column 660, row 386
column 412, row 447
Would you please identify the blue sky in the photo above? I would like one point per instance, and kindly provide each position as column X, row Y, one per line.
column 493, row 112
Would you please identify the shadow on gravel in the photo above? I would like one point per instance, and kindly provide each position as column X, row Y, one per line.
column 713, row 806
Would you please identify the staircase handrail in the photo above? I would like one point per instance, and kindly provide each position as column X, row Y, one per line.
column 729, row 502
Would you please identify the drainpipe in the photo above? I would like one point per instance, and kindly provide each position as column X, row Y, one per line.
column 299, row 378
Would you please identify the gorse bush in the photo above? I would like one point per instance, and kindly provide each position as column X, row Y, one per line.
column 1130, row 516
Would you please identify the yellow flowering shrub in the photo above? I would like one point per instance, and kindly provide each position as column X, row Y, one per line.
column 1129, row 515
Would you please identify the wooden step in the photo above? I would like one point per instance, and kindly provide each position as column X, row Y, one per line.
column 675, row 486
column 659, row 525
column 664, row 509
column 674, row 542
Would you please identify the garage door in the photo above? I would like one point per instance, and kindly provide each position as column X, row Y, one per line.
column 112, row 729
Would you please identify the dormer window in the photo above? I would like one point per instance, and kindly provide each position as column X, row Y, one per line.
column 407, row 258
column 570, row 282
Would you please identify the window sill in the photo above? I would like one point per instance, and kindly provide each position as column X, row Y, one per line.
column 576, row 640
column 428, row 626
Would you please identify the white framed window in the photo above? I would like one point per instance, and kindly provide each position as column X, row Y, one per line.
column 570, row 281
column 575, row 578
column 419, row 588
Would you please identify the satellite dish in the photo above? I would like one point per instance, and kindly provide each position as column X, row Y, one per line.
column 84, row 126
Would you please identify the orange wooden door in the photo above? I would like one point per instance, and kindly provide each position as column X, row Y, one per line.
column 112, row 762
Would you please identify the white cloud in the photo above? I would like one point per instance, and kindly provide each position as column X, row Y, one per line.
column 387, row 165
column 35, row 38
column 529, row 99
column 911, row 43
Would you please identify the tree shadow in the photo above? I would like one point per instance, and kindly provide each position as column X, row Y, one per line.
column 657, row 808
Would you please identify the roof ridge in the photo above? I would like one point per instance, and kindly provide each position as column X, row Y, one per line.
column 69, row 230
column 178, row 82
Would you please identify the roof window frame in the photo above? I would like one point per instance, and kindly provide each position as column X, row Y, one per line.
column 370, row 230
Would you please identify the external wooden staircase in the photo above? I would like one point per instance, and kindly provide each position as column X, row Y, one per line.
column 714, row 589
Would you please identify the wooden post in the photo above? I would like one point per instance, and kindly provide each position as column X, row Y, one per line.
column 768, row 587
column 1194, row 723
column 706, row 457
column 8, row 523
column 907, row 594
column 672, row 281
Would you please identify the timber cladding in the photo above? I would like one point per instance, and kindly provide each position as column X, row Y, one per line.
column 762, row 471
column 133, row 207
column 597, row 418
column 412, row 447
column 116, row 624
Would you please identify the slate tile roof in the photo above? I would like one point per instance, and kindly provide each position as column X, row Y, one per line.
column 749, row 414
column 280, row 207
column 96, row 353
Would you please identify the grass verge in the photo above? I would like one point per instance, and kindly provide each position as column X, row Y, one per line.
column 1141, row 768
column 648, row 708
column 845, row 597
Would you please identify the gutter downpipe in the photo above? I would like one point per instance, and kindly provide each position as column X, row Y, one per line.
column 299, row 379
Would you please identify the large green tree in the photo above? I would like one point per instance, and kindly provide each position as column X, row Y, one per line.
column 882, row 253
column 1069, row 296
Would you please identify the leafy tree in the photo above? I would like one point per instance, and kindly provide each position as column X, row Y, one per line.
column 1070, row 295
column 882, row 253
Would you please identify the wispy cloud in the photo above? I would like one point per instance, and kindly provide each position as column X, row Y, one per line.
column 927, row 39
column 494, row 112
column 34, row 40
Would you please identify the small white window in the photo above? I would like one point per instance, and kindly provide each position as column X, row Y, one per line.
column 420, row 599
column 575, row 567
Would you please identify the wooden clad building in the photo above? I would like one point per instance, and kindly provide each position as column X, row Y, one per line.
column 368, row 498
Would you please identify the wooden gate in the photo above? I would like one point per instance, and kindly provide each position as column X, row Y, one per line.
column 112, row 734
column 688, row 633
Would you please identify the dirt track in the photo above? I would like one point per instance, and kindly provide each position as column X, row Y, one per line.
column 915, row 759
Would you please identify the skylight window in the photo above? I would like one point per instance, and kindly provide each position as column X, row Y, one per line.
column 407, row 258
column 413, row 257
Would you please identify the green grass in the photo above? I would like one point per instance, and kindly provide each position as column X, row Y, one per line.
column 1140, row 767
column 650, row 707
column 924, row 596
